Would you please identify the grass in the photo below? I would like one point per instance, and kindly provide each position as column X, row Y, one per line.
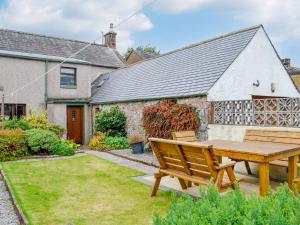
column 82, row 190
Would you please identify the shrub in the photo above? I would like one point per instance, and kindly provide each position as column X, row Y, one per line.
column 40, row 140
column 167, row 116
column 96, row 143
column 16, row 123
column 12, row 144
column 65, row 148
column 116, row 143
column 280, row 207
column 135, row 139
column 111, row 121
column 40, row 121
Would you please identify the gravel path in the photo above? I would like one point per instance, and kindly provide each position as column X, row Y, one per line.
column 7, row 212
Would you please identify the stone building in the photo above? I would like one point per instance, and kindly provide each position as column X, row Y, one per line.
column 34, row 78
column 237, row 66
column 293, row 71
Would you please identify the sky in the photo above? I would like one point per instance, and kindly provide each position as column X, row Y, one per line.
column 165, row 24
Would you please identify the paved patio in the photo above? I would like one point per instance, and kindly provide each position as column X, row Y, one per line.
column 248, row 184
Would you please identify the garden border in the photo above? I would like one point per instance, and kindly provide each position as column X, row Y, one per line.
column 17, row 208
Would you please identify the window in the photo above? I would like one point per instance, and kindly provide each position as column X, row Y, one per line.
column 13, row 110
column 68, row 77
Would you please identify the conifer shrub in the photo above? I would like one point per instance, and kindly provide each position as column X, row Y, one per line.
column 278, row 208
column 167, row 116
column 12, row 144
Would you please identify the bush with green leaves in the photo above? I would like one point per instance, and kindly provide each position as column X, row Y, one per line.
column 40, row 121
column 116, row 143
column 278, row 208
column 12, row 144
column 112, row 122
column 65, row 148
column 42, row 141
column 16, row 123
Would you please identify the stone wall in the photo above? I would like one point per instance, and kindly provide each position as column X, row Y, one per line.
column 134, row 113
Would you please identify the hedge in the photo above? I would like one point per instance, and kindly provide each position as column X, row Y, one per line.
column 12, row 144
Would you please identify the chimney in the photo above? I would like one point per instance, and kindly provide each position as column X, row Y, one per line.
column 110, row 37
column 286, row 62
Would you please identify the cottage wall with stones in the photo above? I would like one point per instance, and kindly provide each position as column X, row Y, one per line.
column 134, row 113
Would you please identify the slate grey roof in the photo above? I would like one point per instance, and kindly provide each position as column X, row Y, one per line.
column 189, row 71
column 21, row 42
column 145, row 55
column 293, row 71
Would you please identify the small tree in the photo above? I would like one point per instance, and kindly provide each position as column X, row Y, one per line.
column 167, row 116
column 111, row 121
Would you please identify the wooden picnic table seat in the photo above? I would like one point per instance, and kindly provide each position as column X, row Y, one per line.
column 188, row 161
column 191, row 136
column 274, row 137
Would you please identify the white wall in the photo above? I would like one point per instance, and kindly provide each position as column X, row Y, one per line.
column 258, row 61
column 14, row 74
column 85, row 75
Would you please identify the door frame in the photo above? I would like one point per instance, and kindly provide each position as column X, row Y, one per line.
column 81, row 106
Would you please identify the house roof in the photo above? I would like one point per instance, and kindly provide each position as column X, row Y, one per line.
column 293, row 71
column 145, row 55
column 18, row 43
column 189, row 71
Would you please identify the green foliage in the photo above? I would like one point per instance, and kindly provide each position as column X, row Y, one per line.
column 40, row 140
column 12, row 144
column 116, row 143
column 65, row 148
column 16, row 123
column 148, row 48
column 96, row 143
column 102, row 142
column 167, row 116
column 278, row 208
column 111, row 121
column 40, row 121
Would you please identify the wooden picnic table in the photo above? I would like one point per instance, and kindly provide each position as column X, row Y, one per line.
column 262, row 154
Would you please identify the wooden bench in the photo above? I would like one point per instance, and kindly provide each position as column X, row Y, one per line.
column 190, row 162
column 274, row 137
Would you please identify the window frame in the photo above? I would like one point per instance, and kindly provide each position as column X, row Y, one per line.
column 68, row 86
column 13, row 112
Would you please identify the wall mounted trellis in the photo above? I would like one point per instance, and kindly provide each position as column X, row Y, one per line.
column 280, row 112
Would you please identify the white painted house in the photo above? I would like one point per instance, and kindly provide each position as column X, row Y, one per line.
column 236, row 66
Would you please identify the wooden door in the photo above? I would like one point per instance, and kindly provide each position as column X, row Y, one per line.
column 75, row 124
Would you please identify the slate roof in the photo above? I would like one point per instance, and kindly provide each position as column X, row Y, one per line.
column 145, row 55
column 190, row 71
column 293, row 71
column 21, row 42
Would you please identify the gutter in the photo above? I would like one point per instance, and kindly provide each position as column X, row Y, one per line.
column 46, row 84
column 148, row 99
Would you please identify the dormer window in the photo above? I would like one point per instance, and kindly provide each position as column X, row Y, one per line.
column 68, row 77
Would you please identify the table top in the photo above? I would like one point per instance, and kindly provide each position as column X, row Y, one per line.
column 252, row 148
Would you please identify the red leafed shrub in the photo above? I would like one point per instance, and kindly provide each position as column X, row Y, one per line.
column 161, row 119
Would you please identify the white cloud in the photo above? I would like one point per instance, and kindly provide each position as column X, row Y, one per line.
column 179, row 6
column 79, row 19
column 85, row 19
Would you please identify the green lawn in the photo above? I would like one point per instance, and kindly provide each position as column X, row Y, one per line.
column 82, row 190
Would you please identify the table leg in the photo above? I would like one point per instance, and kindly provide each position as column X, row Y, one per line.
column 264, row 178
column 292, row 170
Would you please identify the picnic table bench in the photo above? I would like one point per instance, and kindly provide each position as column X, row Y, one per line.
column 190, row 162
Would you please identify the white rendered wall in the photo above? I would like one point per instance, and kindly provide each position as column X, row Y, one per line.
column 258, row 61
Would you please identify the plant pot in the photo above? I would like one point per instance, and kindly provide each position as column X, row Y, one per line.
column 137, row 148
